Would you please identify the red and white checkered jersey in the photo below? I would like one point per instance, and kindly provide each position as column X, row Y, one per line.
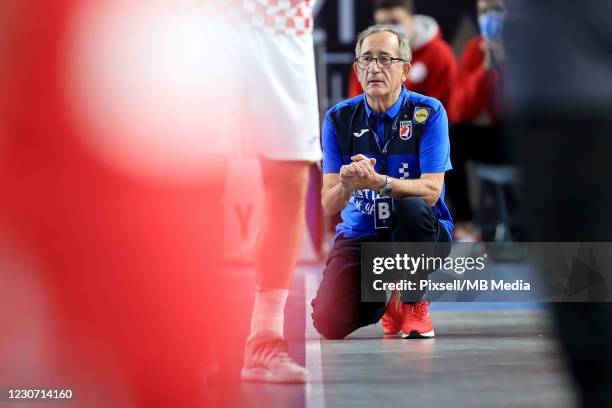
column 285, row 17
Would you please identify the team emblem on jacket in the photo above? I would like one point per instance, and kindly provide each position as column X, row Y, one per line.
column 405, row 130
column 421, row 115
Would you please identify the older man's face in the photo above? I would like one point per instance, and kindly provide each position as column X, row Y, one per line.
column 376, row 81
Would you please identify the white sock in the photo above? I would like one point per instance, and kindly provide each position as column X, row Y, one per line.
column 269, row 311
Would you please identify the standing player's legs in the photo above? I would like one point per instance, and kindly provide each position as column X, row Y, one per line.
column 285, row 185
column 284, row 129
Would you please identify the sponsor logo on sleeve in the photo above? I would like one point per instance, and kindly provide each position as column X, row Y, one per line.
column 421, row 114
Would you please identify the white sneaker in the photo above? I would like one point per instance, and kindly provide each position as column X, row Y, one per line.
column 266, row 360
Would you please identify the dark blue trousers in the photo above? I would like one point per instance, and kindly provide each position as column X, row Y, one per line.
column 337, row 306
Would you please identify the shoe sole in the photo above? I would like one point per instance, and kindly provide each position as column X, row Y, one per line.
column 416, row 335
column 264, row 376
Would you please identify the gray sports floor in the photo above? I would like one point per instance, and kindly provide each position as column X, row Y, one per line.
column 484, row 355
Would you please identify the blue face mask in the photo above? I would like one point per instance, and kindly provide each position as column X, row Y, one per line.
column 491, row 24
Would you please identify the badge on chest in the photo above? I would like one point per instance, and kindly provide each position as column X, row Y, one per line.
column 383, row 211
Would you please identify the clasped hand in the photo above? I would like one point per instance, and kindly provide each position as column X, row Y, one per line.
column 360, row 174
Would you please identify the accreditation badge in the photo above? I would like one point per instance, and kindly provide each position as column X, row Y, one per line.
column 383, row 210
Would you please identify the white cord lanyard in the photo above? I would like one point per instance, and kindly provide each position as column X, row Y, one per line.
column 384, row 150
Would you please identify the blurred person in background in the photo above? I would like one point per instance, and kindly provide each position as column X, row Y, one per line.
column 385, row 156
column 560, row 99
column 475, row 109
column 110, row 212
column 111, row 217
column 476, row 89
column 433, row 61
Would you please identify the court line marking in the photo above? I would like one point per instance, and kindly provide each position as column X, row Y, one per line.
column 315, row 395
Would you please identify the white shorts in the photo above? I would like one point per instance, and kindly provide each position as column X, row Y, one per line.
column 269, row 88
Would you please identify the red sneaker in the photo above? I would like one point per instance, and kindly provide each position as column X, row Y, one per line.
column 393, row 318
column 417, row 322
column 266, row 360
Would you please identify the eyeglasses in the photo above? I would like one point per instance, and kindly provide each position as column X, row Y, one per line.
column 384, row 62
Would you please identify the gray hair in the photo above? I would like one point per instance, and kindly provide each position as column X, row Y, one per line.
column 404, row 46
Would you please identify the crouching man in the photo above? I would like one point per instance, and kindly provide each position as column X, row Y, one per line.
column 385, row 149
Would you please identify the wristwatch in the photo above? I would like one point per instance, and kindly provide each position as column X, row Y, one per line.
column 387, row 189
